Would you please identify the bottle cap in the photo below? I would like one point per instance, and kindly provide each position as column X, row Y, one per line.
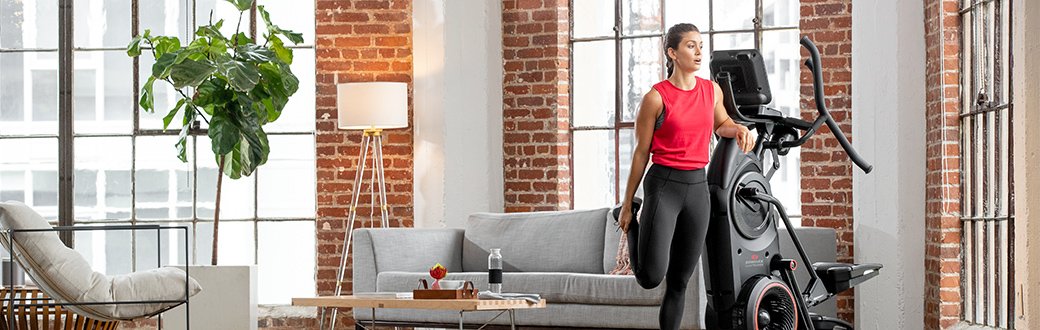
column 495, row 250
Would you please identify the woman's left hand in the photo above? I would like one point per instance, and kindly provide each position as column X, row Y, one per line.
column 745, row 139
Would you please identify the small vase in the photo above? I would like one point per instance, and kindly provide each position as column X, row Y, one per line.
column 436, row 284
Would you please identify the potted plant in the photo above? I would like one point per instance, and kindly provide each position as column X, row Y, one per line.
column 236, row 85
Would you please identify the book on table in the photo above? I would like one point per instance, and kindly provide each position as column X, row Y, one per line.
column 384, row 295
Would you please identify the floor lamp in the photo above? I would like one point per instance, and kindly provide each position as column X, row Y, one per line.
column 372, row 107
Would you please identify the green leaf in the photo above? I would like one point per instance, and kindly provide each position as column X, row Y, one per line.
column 161, row 68
column 148, row 96
column 284, row 54
column 165, row 44
column 241, row 76
column 211, row 31
column 242, row 39
column 295, row 37
column 254, row 53
column 191, row 72
column 182, row 141
column 214, row 92
column 134, row 48
column 219, row 46
column 232, row 164
column 241, row 5
column 169, row 117
column 223, row 133
column 191, row 52
column 292, row 84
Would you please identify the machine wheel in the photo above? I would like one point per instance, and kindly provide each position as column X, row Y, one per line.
column 765, row 303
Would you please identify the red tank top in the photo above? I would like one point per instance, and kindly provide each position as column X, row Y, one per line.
column 689, row 118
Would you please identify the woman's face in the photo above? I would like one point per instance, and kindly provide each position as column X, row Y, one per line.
column 687, row 56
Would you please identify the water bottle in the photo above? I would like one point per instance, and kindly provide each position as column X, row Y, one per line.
column 495, row 271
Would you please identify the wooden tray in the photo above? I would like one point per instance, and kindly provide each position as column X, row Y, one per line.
column 423, row 292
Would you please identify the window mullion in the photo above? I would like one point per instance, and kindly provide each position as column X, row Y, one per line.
column 66, row 120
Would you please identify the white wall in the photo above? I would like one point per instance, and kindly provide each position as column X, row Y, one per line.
column 1027, row 161
column 888, row 120
column 458, row 110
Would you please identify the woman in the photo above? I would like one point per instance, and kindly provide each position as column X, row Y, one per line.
column 675, row 123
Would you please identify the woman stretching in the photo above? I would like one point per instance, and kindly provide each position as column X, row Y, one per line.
column 674, row 124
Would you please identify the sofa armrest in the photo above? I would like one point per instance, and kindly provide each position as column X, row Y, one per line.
column 403, row 249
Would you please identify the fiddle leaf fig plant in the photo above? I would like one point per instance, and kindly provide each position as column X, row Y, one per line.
column 235, row 84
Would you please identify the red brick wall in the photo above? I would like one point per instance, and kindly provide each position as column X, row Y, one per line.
column 536, row 105
column 826, row 169
column 358, row 41
column 943, row 227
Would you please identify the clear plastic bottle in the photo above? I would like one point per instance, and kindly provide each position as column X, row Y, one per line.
column 495, row 271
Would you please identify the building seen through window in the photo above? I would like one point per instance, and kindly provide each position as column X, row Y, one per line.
column 125, row 167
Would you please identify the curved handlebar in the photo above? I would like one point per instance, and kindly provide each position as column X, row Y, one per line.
column 814, row 66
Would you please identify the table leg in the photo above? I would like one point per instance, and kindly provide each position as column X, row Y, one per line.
column 373, row 318
column 460, row 319
column 512, row 319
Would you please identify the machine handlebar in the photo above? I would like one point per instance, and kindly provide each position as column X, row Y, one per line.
column 814, row 66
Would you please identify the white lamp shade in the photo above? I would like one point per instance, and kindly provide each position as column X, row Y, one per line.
column 372, row 105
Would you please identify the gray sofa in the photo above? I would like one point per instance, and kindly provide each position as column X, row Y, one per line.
column 563, row 256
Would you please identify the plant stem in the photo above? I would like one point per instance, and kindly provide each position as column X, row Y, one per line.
column 216, row 211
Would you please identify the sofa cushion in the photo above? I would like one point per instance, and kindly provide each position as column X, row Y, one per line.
column 63, row 274
column 567, row 288
column 565, row 241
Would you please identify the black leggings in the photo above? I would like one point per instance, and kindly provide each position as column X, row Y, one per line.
column 667, row 241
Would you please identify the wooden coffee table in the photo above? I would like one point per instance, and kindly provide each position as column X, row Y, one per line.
column 461, row 305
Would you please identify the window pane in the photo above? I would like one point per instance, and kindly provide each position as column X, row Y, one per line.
column 102, row 23
column 297, row 16
column 780, row 13
column 593, row 18
column 298, row 115
column 641, row 63
column 106, row 251
column 286, row 261
column 780, row 50
column 237, row 198
column 237, row 244
column 734, row 41
column 593, row 83
column 164, row 183
column 101, row 161
column 687, row 11
column 173, row 18
column 286, row 181
column 29, row 24
column 733, row 15
column 30, row 166
column 104, row 92
column 594, row 169
column 28, row 94
column 640, row 17
column 626, row 147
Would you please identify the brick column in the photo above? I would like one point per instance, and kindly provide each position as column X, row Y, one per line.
column 358, row 41
column 536, row 105
column 826, row 168
column 942, row 188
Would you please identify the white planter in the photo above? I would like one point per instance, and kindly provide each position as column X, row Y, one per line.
column 227, row 301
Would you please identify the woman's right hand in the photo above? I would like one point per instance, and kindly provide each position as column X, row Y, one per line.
column 625, row 217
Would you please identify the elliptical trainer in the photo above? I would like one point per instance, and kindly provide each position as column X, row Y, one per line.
column 750, row 285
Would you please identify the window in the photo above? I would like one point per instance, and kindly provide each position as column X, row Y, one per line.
column 987, row 193
column 617, row 55
column 125, row 168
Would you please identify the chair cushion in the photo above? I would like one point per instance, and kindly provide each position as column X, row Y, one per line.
column 63, row 274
